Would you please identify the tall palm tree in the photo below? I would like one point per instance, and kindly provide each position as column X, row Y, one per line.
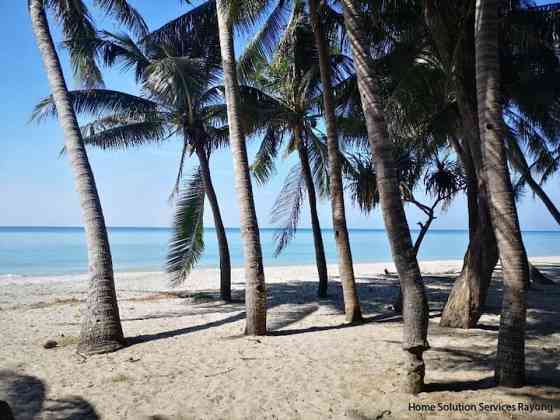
column 290, row 91
column 510, row 359
column 452, row 43
column 415, row 306
column 255, row 289
column 178, row 99
column 101, row 329
column 345, row 265
column 524, row 73
column 264, row 43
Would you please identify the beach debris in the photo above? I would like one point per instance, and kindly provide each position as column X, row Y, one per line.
column 133, row 360
column 50, row 344
column 219, row 373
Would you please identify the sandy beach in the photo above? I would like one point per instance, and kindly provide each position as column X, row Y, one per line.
column 188, row 358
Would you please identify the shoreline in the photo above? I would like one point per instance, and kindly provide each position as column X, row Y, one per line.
column 271, row 267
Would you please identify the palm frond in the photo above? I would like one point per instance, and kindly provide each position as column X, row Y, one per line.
column 80, row 38
column 130, row 135
column 318, row 160
column 125, row 14
column 362, row 182
column 120, row 48
column 287, row 208
column 193, row 34
column 262, row 46
column 187, row 243
column 264, row 166
column 99, row 103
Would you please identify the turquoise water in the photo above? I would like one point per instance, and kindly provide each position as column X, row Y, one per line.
column 53, row 251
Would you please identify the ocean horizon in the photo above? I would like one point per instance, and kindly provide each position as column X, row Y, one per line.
column 60, row 250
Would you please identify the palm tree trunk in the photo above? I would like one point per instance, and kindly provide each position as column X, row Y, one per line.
column 345, row 266
column 510, row 361
column 225, row 264
column 415, row 305
column 465, row 303
column 466, row 300
column 320, row 259
column 539, row 192
column 101, row 329
column 255, row 289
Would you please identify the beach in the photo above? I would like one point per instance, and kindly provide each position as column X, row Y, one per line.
column 188, row 358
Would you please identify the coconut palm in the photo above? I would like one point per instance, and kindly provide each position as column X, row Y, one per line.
column 101, row 329
column 415, row 307
column 451, row 30
column 345, row 265
column 510, row 358
column 263, row 45
column 179, row 99
column 255, row 289
column 291, row 87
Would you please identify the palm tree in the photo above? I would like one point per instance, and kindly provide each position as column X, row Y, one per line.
column 450, row 27
column 451, row 41
column 101, row 329
column 345, row 265
column 178, row 99
column 510, row 359
column 264, row 43
column 289, row 90
column 255, row 289
column 415, row 306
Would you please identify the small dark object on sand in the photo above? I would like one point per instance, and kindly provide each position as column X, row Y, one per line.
column 50, row 344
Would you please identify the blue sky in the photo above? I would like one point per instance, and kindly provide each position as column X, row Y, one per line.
column 36, row 186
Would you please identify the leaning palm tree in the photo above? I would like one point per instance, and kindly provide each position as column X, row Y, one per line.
column 510, row 358
column 415, row 306
column 101, row 329
column 179, row 99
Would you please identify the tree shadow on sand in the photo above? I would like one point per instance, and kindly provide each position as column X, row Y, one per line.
column 293, row 301
column 287, row 304
column 542, row 361
column 26, row 396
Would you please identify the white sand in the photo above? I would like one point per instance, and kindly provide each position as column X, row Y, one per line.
column 189, row 359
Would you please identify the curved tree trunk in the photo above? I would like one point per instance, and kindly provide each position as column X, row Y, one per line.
column 101, row 329
column 415, row 305
column 320, row 259
column 519, row 162
column 225, row 264
column 510, row 360
column 537, row 189
column 466, row 300
column 345, row 266
column 255, row 289
column 465, row 303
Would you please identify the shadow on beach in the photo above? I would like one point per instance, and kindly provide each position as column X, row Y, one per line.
column 293, row 301
column 26, row 396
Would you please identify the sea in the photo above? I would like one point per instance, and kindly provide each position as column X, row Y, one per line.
column 43, row 251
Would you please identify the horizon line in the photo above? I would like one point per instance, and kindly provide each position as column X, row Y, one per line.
column 237, row 227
